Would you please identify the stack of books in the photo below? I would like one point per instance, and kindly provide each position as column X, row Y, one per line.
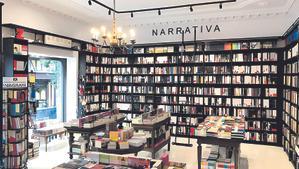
column 95, row 120
column 222, row 127
column 33, row 150
column 218, row 157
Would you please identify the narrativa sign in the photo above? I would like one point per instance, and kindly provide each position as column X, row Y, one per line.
column 186, row 30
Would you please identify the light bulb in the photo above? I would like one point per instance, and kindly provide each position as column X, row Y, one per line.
column 124, row 36
column 119, row 30
column 132, row 34
column 103, row 30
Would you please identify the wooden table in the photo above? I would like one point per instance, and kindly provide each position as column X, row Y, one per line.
column 52, row 133
column 87, row 132
column 235, row 143
column 152, row 127
column 130, row 150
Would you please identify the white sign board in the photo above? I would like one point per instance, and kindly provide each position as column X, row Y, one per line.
column 14, row 82
column 57, row 41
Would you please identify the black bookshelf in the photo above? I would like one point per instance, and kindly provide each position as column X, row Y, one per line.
column 15, row 104
column 290, row 98
column 193, row 84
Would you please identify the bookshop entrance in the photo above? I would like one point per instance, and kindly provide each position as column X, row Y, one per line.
column 49, row 94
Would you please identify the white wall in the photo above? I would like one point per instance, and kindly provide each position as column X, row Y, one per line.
column 267, row 24
column 71, row 75
column 229, row 28
column 20, row 13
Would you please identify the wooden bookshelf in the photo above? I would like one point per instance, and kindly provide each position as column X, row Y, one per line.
column 290, row 98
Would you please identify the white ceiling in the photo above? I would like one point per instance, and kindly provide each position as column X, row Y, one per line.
column 81, row 10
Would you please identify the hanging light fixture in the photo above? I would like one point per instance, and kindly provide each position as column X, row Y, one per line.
column 191, row 9
column 117, row 38
column 89, row 2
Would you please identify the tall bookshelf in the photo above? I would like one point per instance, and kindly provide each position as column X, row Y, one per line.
column 226, row 78
column 290, row 140
column 15, row 105
column 94, row 79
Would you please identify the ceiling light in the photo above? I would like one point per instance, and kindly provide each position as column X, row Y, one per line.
column 220, row 6
column 89, row 2
column 109, row 12
column 191, row 9
column 132, row 15
column 159, row 12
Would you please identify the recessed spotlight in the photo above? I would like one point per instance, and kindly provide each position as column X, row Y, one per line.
column 109, row 12
column 132, row 14
column 191, row 9
column 159, row 12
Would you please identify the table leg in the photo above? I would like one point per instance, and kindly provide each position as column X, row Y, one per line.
column 199, row 149
column 168, row 147
column 237, row 156
column 46, row 143
column 71, row 141
column 153, row 145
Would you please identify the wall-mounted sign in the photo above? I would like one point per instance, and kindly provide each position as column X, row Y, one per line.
column 186, row 30
column 14, row 82
column 57, row 41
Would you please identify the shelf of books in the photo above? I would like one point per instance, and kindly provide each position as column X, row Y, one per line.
column 94, row 86
column 15, row 103
column 235, row 78
column 290, row 138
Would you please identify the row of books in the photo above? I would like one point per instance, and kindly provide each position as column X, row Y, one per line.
column 261, row 137
column 19, row 49
column 291, row 80
column 96, row 48
column 16, row 135
column 92, row 59
column 93, row 70
column 293, row 52
column 15, row 96
column 17, row 122
column 261, row 126
column 93, row 79
column 291, row 67
column 15, row 162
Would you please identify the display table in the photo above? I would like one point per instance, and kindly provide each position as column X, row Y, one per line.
column 152, row 128
column 48, row 132
column 235, row 143
column 87, row 132
column 224, row 132
column 131, row 150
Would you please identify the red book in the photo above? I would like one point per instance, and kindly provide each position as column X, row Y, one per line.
column 14, row 65
column 20, row 33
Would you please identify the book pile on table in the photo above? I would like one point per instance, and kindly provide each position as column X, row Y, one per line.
column 33, row 150
column 218, row 157
column 95, row 120
column 121, row 139
column 151, row 117
column 222, row 127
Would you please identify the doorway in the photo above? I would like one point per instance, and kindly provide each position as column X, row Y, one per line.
column 49, row 88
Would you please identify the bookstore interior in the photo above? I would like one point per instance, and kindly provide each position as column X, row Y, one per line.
column 195, row 84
